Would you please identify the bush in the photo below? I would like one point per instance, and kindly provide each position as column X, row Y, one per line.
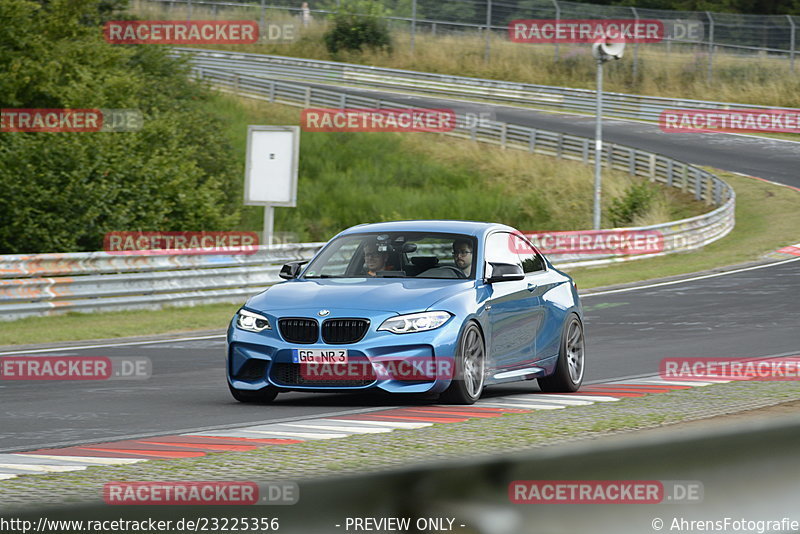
column 63, row 191
column 358, row 24
column 636, row 200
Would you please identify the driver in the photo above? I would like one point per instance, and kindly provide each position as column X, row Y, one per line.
column 374, row 261
column 462, row 255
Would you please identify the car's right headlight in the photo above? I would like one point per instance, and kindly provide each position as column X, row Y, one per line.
column 253, row 322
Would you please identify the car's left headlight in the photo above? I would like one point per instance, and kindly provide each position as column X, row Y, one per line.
column 415, row 322
column 254, row 322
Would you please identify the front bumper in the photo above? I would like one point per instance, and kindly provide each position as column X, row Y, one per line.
column 256, row 360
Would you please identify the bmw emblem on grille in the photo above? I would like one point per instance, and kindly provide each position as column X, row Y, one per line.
column 323, row 313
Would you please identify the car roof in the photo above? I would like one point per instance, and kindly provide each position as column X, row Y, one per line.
column 473, row 228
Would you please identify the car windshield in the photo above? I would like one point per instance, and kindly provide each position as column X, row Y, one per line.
column 396, row 255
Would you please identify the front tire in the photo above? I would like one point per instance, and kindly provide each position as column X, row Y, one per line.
column 470, row 363
column 568, row 375
column 260, row 396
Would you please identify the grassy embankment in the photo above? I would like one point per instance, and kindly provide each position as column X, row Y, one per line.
column 753, row 79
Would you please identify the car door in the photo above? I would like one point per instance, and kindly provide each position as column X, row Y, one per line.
column 539, row 281
column 512, row 309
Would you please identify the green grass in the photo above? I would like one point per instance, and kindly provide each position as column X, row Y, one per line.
column 353, row 178
column 679, row 72
column 77, row 326
column 767, row 218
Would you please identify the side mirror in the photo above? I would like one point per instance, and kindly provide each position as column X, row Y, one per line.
column 290, row 270
column 505, row 272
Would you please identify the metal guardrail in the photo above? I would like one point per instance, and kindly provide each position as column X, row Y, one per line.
column 44, row 284
column 621, row 105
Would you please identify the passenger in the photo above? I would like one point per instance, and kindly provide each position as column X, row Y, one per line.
column 374, row 261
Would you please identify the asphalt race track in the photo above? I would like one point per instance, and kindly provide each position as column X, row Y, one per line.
column 749, row 313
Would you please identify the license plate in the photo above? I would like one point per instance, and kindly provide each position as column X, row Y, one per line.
column 319, row 355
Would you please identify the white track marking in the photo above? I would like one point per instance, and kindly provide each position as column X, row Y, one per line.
column 341, row 428
column 41, row 468
column 284, row 434
column 565, row 402
column 91, row 460
column 525, row 406
column 395, row 424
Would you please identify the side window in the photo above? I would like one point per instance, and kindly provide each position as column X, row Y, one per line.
column 531, row 260
column 500, row 248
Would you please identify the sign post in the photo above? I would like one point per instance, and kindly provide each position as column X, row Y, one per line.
column 271, row 170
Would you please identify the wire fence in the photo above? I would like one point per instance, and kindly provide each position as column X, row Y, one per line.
column 703, row 32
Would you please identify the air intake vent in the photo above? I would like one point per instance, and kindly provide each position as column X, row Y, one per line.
column 299, row 330
column 339, row 331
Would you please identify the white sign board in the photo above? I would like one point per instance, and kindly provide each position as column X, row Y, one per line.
column 271, row 171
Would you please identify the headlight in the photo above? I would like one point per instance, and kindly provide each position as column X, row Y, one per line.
column 247, row 320
column 415, row 322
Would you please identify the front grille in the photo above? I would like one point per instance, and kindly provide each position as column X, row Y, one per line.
column 288, row 374
column 253, row 369
column 299, row 330
column 338, row 331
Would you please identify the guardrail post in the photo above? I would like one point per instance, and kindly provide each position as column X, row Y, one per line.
column 698, row 187
column 503, row 135
column 532, row 141
column 710, row 47
column 792, row 37
column 610, row 156
column 189, row 14
column 433, row 29
column 236, row 83
column 709, row 194
column 669, row 172
column 635, row 48
column 558, row 17
column 488, row 30
column 586, row 150
column 632, row 162
column 413, row 23
column 343, row 100
column 308, row 97
column 272, row 91
column 263, row 20
column 560, row 145
column 652, row 167
column 685, row 178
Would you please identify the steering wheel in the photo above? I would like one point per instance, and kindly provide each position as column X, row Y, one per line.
column 459, row 272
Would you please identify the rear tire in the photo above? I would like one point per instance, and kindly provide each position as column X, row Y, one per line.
column 470, row 364
column 568, row 375
column 260, row 396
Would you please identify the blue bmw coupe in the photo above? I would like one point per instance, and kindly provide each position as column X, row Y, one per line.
column 437, row 307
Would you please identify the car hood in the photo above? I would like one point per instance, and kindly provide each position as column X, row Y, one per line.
column 384, row 294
